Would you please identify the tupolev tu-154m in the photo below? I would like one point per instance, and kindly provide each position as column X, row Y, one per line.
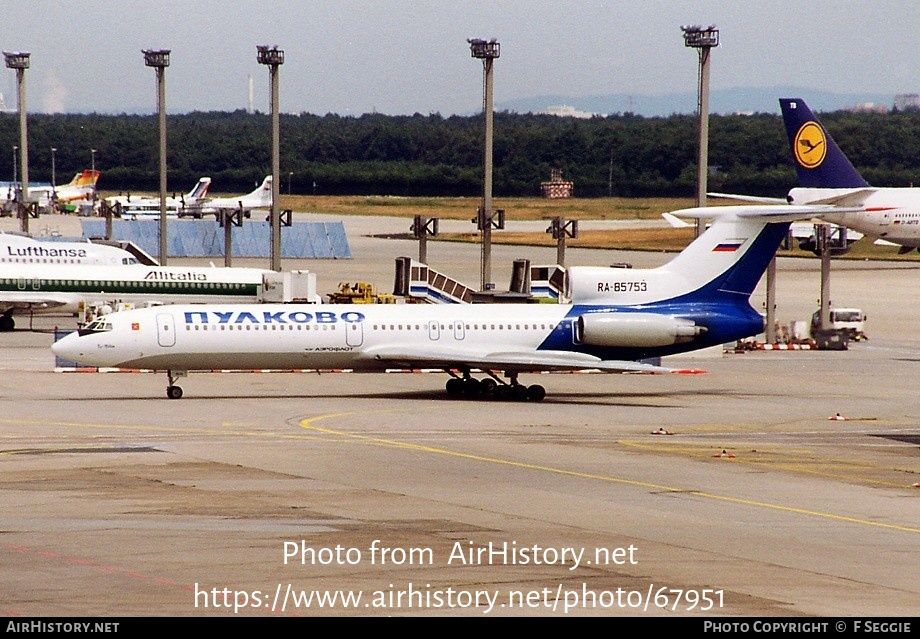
column 612, row 320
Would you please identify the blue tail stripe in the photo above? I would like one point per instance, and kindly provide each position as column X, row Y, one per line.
column 722, row 305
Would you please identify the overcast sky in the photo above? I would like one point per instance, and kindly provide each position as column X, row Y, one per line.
column 402, row 57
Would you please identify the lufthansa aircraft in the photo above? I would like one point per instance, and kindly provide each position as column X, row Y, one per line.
column 613, row 318
column 23, row 249
column 826, row 177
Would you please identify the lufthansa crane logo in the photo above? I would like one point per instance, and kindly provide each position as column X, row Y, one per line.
column 810, row 145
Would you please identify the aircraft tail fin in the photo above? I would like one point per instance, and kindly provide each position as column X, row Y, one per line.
column 199, row 191
column 732, row 255
column 87, row 178
column 262, row 196
column 819, row 162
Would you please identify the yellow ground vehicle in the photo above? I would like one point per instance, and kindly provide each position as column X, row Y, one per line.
column 360, row 293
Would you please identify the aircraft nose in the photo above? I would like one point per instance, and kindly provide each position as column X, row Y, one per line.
column 68, row 347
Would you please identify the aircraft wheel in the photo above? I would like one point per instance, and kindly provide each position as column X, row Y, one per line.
column 471, row 386
column 519, row 393
column 536, row 393
column 174, row 392
column 487, row 386
column 7, row 323
column 503, row 393
column 454, row 386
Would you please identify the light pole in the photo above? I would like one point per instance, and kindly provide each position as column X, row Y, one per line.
column 487, row 51
column 273, row 57
column 53, row 180
column 19, row 60
column 15, row 162
column 159, row 59
column 702, row 39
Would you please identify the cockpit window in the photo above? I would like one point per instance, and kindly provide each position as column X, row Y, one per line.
column 98, row 325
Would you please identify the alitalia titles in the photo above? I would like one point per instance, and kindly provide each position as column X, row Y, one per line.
column 169, row 276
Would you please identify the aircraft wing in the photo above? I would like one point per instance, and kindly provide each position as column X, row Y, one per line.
column 855, row 198
column 749, row 198
column 12, row 299
column 805, row 230
column 881, row 242
column 516, row 361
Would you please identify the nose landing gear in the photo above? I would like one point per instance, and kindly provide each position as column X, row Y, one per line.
column 173, row 391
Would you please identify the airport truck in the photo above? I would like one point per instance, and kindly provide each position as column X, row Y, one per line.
column 852, row 321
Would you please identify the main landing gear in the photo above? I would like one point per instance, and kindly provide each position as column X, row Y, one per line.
column 494, row 388
column 173, row 391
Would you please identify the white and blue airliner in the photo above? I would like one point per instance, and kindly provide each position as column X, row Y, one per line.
column 612, row 320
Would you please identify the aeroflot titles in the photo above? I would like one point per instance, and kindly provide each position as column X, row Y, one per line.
column 278, row 317
column 41, row 251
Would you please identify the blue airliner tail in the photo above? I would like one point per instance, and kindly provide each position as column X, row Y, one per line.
column 818, row 160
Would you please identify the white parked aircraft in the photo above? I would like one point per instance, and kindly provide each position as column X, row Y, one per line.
column 613, row 318
column 137, row 207
column 826, row 177
column 37, row 288
column 23, row 249
column 260, row 199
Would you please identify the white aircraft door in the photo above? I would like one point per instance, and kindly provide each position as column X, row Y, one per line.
column 459, row 330
column 434, row 330
column 166, row 330
column 354, row 333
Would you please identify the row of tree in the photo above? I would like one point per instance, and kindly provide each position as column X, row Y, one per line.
column 620, row 155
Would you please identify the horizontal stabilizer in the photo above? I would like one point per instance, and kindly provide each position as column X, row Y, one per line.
column 675, row 221
column 767, row 213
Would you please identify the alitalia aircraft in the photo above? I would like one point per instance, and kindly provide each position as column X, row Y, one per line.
column 66, row 288
column 612, row 319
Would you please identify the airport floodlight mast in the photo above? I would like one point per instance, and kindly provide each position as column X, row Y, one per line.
column 92, row 167
column 703, row 39
column 273, row 57
column 487, row 51
column 53, row 176
column 159, row 60
column 19, row 60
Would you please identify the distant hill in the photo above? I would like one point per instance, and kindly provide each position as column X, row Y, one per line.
column 721, row 101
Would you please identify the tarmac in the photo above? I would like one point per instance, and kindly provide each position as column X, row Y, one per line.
column 776, row 484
